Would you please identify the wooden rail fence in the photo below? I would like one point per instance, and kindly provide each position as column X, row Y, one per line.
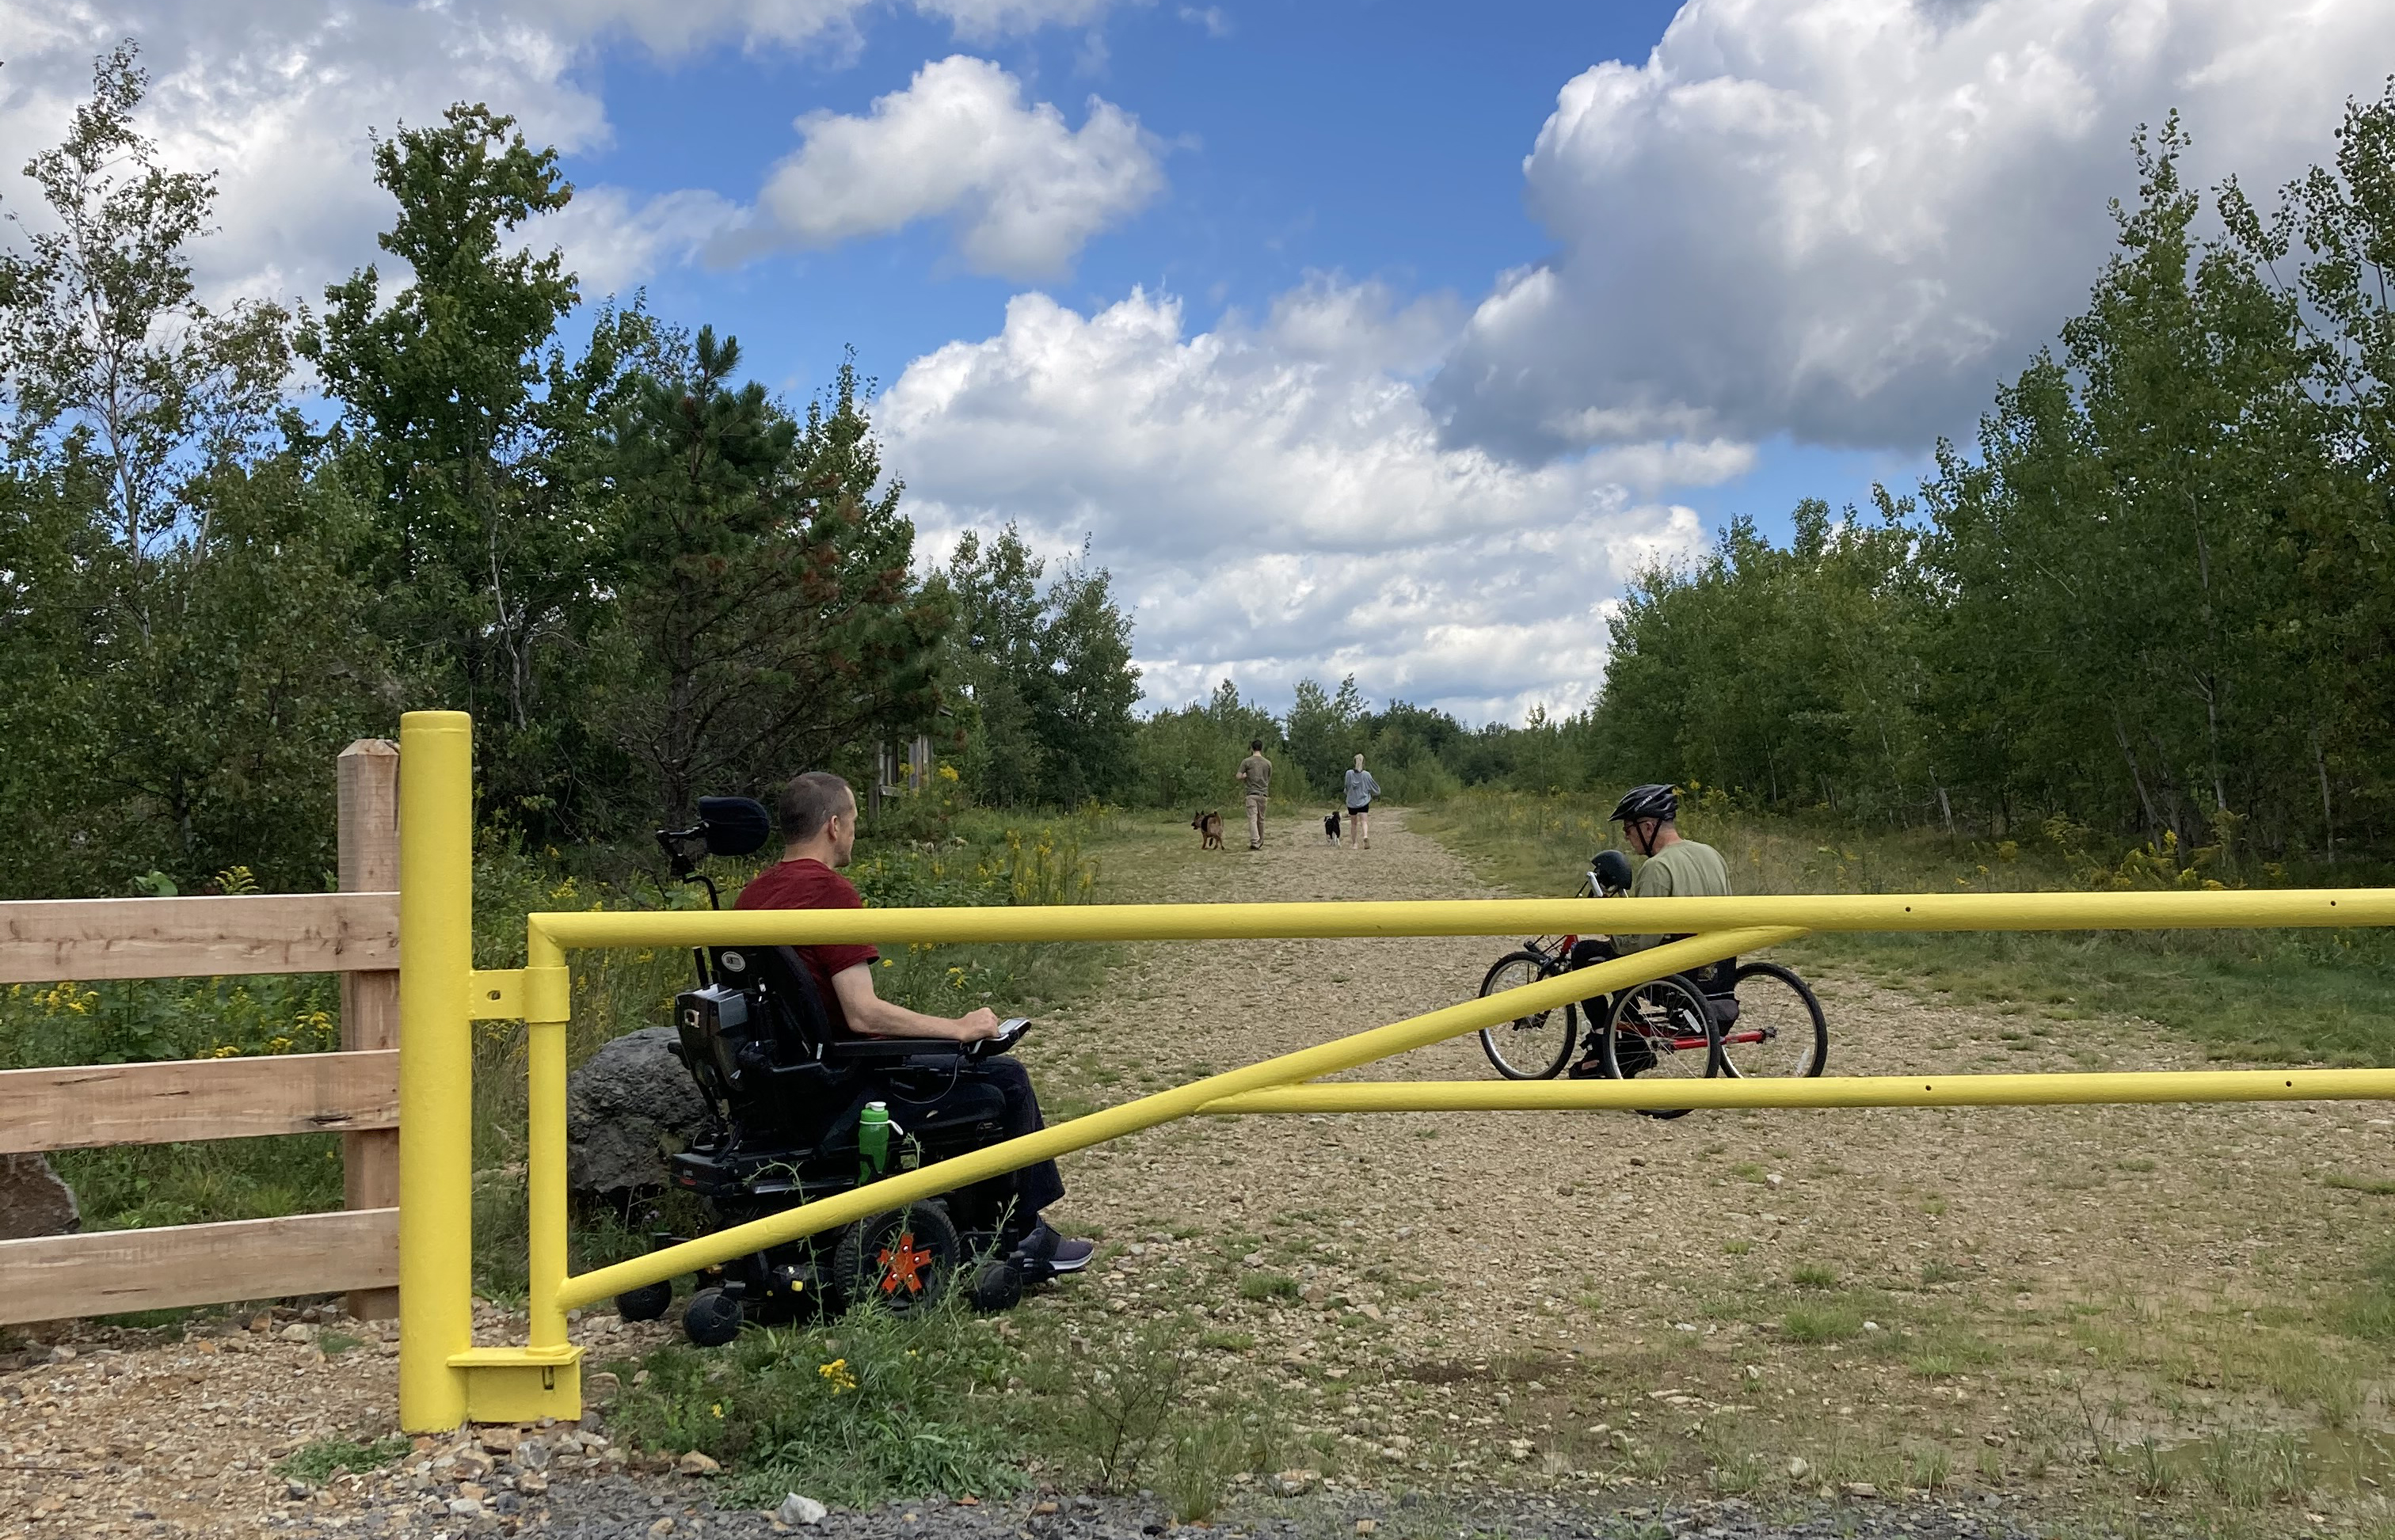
column 353, row 1092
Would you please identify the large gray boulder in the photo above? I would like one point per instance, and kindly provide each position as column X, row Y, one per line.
column 33, row 1201
column 625, row 1110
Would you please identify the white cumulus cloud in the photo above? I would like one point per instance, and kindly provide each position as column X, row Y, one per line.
column 1024, row 191
column 1846, row 219
column 279, row 95
column 1274, row 500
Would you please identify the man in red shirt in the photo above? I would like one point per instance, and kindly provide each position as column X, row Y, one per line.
column 819, row 829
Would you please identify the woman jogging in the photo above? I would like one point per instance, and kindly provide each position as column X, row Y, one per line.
column 1361, row 789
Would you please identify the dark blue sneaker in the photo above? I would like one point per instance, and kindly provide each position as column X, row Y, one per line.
column 1056, row 1253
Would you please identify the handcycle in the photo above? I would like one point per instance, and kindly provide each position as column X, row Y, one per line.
column 1745, row 1019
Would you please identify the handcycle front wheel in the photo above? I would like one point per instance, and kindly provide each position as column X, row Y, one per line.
column 1535, row 1046
column 1661, row 1030
column 1780, row 1032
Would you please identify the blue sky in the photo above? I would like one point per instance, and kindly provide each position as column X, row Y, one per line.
column 1283, row 156
column 1352, row 337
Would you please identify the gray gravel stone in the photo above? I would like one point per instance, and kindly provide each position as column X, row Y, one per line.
column 622, row 1508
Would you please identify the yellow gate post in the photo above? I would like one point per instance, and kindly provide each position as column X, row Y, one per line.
column 436, row 1066
column 443, row 1378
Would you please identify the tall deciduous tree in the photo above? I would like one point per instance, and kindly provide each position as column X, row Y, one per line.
column 1044, row 673
column 108, row 353
column 184, row 640
column 481, row 551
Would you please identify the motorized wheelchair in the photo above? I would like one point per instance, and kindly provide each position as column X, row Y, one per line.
column 799, row 1114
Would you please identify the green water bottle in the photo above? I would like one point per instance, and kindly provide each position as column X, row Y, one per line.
column 872, row 1141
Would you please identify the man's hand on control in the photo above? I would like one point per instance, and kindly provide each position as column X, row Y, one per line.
column 975, row 1025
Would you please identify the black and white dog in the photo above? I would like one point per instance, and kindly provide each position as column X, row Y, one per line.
column 1331, row 826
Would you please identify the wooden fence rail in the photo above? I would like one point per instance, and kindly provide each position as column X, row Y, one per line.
column 91, row 1105
column 109, row 1272
column 353, row 1092
column 91, row 939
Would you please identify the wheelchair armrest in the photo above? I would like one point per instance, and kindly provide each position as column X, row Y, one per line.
column 1009, row 1033
column 890, row 1050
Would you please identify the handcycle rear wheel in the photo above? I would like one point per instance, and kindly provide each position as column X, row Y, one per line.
column 1780, row 1032
column 1661, row 1030
column 1528, row 1047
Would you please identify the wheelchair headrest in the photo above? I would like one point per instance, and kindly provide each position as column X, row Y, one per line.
column 734, row 825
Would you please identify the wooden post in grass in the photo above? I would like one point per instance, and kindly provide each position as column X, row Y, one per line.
column 369, row 863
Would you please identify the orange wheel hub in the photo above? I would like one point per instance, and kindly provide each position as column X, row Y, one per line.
column 903, row 1265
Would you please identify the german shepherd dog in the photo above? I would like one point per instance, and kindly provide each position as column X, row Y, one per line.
column 1331, row 826
column 1209, row 830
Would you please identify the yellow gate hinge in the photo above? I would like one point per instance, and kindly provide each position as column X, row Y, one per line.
column 521, row 993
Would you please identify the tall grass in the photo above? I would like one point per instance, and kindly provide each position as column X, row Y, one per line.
column 849, row 1412
column 2291, row 996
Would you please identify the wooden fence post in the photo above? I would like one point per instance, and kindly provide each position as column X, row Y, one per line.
column 369, row 863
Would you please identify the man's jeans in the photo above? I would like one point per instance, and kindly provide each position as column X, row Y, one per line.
column 1034, row 1185
column 1255, row 822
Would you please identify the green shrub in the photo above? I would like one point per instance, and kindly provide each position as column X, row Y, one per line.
column 853, row 1412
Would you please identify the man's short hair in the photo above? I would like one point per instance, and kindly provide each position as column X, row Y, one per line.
column 811, row 800
column 1256, row 744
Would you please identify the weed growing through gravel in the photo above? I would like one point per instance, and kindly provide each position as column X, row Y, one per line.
column 314, row 1462
column 1132, row 1412
column 853, row 1412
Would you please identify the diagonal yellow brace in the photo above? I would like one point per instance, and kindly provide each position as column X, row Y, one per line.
column 1877, row 1090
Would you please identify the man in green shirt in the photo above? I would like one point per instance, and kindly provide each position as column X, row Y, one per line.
column 1255, row 774
column 1675, row 868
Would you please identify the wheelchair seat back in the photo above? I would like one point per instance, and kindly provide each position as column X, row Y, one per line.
column 783, row 1084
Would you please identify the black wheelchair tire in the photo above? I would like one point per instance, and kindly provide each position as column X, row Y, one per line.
column 996, row 1285
column 1674, row 994
column 1804, row 992
column 929, row 1253
column 711, row 1319
column 648, row 1302
column 1546, row 1068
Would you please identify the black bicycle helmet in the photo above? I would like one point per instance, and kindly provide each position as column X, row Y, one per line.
column 1651, row 802
column 1611, row 869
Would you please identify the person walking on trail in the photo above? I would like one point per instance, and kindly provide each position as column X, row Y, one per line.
column 1255, row 774
column 1361, row 789
column 1675, row 867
